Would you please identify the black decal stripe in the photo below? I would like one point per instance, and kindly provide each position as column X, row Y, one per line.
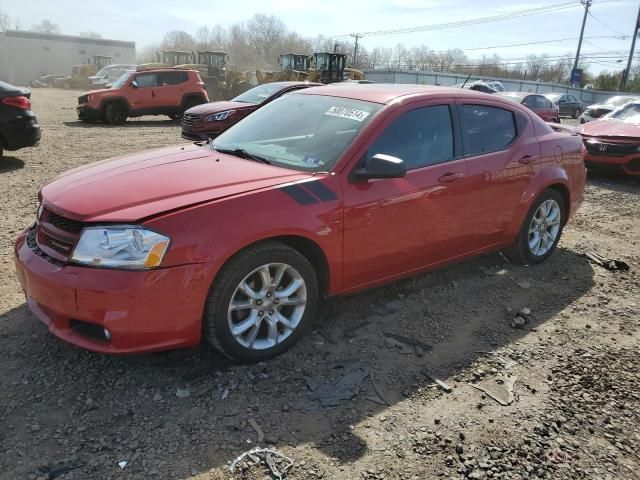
column 320, row 190
column 299, row 195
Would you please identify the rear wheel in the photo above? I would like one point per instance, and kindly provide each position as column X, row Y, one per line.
column 190, row 103
column 261, row 303
column 541, row 230
column 115, row 114
column 576, row 113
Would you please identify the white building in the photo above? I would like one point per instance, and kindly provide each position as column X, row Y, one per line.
column 26, row 56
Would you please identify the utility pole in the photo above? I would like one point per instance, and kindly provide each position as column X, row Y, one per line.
column 625, row 74
column 587, row 4
column 355, row 50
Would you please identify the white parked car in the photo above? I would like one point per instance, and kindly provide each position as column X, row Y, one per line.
column 598, row 110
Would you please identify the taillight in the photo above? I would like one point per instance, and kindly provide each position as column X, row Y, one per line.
column 19, row 102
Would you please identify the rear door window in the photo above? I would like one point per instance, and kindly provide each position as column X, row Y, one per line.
column 486, row 129
column 147, row 80
column 171, row 78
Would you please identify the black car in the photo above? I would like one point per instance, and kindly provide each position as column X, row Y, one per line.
column 567, row 103
column 18, row 124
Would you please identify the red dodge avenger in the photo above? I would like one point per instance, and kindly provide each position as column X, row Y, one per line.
column 323, row 192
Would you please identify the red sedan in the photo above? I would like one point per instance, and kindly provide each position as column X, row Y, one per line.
column 323, row 192
column 540, row 104
column 613, row 143
column 211, row 119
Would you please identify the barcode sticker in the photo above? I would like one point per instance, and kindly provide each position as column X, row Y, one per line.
column 350, row 113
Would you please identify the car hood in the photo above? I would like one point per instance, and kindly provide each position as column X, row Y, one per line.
column 597, row 106
column 215, row 107
column 99, row 90
column 134, row 187
column 610, row 128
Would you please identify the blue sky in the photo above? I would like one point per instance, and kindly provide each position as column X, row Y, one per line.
column 145, row 21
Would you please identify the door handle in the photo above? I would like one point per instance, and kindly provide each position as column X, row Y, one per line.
column 528, row 159
column 450, row 177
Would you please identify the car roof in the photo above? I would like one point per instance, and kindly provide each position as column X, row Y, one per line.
column 291, row 84
column 388, row 92
column 164, row 70
column 519, row 95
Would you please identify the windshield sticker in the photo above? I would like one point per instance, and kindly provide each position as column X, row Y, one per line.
column 350, row 113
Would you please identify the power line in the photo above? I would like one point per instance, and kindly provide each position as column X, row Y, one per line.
column 474, row 21
column 605, row 25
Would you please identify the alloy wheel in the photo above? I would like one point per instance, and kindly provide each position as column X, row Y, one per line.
column 544, row 227
column 267, row 306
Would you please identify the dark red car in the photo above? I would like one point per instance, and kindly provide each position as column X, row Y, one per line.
column 323, row 192
column 211, row 119
column 540, row 104
column 613, row 142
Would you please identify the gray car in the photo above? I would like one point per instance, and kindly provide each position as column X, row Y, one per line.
column 568, row 104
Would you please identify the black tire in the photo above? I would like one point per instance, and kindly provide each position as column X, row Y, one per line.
column 216, row 327
column 576, row 113
column 520, row 252
column 115, row 114
column 190, row 103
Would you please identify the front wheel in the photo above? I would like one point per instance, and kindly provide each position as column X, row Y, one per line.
column 576, row 113
column 261, row 303
column 115, row 114
column 541, row 230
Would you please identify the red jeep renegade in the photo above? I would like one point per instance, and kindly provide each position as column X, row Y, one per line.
column 165, row 91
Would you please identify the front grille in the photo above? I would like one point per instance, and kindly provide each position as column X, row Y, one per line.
column 83, row 99
column 634, row 165
column 603, row 167
column 33, row 245
column 63, row 247
column 63, row 223
column 610, row 149
column 191, row 119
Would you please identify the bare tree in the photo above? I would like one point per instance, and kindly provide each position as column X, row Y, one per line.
column 203, row 38
column 265, row 33
column 46, row 26
column 90, row 34
column 5, row 21
column 178, row 40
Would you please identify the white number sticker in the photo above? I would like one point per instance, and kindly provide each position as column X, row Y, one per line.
column 350, row 113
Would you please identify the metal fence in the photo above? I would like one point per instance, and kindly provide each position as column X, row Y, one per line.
column 510, row 85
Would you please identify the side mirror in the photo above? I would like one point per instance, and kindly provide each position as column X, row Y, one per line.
column 134, row 84
column 380, row 166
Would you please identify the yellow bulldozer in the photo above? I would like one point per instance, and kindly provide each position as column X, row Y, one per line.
column 322, row 67
column 80, row 74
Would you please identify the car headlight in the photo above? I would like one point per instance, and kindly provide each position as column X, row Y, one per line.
column 120, row 246
column 218, row 117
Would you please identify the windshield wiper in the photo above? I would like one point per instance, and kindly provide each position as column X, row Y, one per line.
column 242, row 153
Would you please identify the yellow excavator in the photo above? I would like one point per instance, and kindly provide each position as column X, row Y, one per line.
column 322, row 67
column 80, row 74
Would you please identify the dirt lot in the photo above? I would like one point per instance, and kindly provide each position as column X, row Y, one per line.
column 576, row 407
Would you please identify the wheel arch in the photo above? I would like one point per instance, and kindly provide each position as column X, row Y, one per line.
column 107, row 101
column 307, row 247
column 188, row 96
column 563, row 190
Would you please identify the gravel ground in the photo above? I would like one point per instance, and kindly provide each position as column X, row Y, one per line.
column 572, row 357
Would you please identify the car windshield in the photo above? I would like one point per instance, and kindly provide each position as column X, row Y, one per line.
column 303, row 132
column 258, row 94
column 629, row 113
column 122, row 80
column 618, row 101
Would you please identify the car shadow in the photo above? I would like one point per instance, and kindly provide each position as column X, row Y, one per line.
column 131, row 123
column 618, row 182
column 8, row 164
column 456, row 314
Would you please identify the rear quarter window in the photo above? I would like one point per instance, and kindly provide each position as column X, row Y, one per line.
column 488, row 129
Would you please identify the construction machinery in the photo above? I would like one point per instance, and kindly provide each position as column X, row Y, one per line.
column 322, row 67
column 221, row 83
column 80, row 73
